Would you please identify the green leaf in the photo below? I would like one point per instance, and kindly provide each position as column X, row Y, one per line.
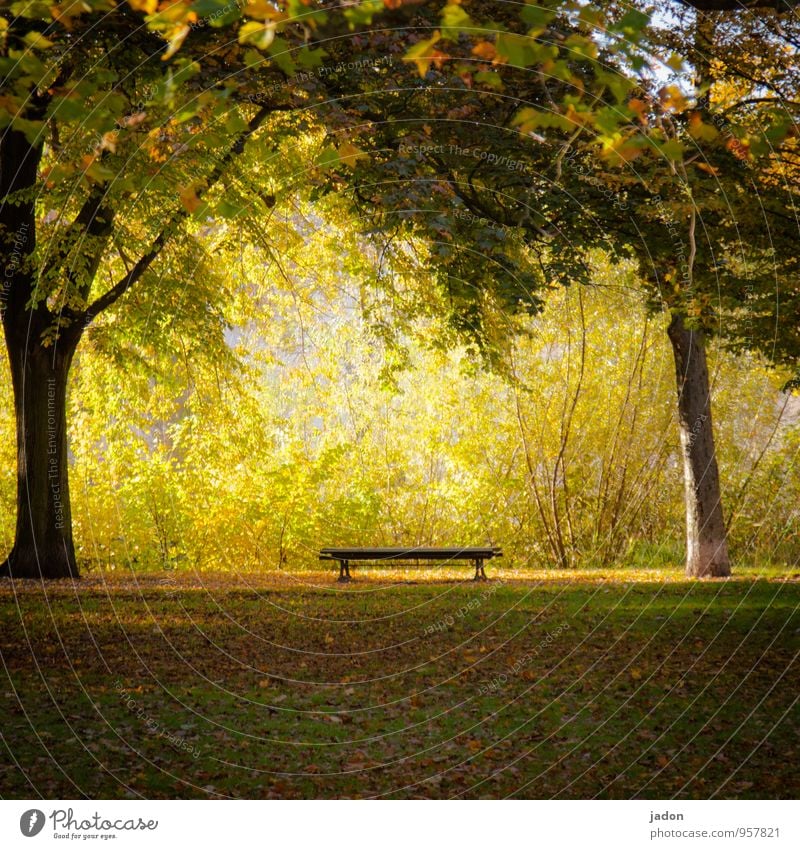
column 183, row 70
column 582, row 45
column 675, row 62
column 519, row 50
column 590, row 16
column 308, row 58
column 187, row 111
column 422, row 53
column 261, row 34
column 758, row 145
column 778, row 128
column 33, row 130
column 673, row 150
column 328, row 157
column 31, row 9
column 68, row 109
column 362, row 14
column 490, row 78
column 561, row 70
column 253, row 58
column 235, row 124
column 217, row 13
column 455, row 21
column 700, row 130
column 528, row 119
column 631, row 24
column 28, row 62
column 99, row 173
column 37, row 41
column 299, row 10
column 279, row 51
column 608, row 119
column 228, row 209
column 619, row 85
column 536, row 17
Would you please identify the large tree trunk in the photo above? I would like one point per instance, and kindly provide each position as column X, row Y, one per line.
column 706, row 536
column 43, row 543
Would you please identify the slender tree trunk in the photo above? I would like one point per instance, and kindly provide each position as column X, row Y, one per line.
column 706, row 536
column 43, row 545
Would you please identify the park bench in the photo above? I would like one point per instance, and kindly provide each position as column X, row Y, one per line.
column 345, row 556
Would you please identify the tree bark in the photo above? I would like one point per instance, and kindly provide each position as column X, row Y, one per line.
column 706, row 535
column 43, row 541
column 43, row 546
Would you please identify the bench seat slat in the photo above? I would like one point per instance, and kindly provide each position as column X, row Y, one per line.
column 409, row 553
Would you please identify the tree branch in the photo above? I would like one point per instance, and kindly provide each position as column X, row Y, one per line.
column 740, row 5
column 93, row 219
column 146, row 260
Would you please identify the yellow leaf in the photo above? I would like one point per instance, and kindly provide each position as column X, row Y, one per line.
column 146, row 6
column 350, row 154
column 37, row 41
column 700, row 130
column 189, row 198
column 174, row 11
column 69, row 9
column 672, row 98
column 423, row 53
column 261, row 35
column 579, row 119
column 9, row 104
column 175, row 37
column 620, row 151
column 264, row 10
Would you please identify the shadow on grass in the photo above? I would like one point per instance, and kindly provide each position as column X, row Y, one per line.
column 406, row 683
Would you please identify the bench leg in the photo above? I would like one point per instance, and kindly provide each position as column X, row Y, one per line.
column 480, row 575
column 344, row 572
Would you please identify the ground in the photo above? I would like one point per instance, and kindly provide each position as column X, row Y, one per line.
column 403, row 684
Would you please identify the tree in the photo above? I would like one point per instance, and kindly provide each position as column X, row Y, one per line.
column 605, row 159
column 118, row 133
column 727, row 137
column 112, row 147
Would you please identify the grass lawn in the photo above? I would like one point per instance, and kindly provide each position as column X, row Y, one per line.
column 403, row 684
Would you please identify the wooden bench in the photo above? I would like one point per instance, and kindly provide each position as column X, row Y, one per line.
column 345, row 556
